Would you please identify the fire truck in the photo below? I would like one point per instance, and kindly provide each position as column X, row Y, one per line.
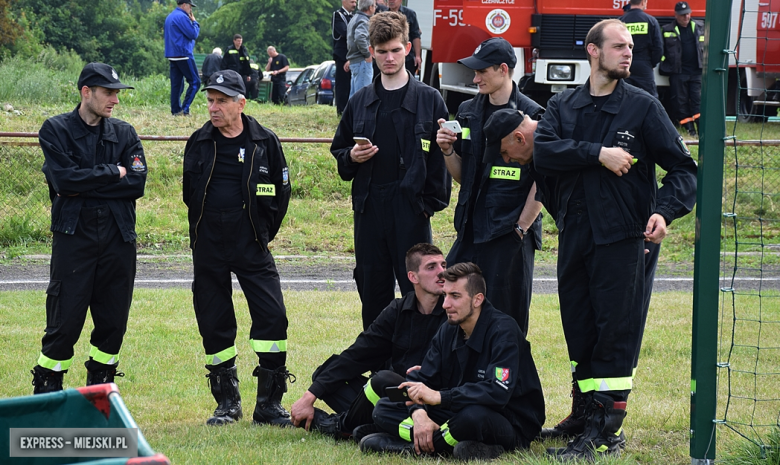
column 549, row 40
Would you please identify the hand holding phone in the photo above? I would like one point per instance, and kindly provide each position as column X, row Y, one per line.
column 453, row 126
column 397, row 394
column 362, row 140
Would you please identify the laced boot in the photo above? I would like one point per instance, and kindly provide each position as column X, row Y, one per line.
column 224, row 388
column 603, row 433
column 329, row 424
column 45, row 380
column 386, row 443
column 574, row 424
column 104, row 374
column 271, row 386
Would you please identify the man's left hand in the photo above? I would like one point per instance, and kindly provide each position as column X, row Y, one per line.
column 656, row 229
column 421, row 394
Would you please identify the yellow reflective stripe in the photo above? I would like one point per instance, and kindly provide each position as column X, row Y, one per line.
column 663, row 58
column 606, row 384
column 426, row 145
column 266, row 189
column 405, row 429
column 669, row 34
column 371, row 395
column 243, row 58
column 232, row 52
column 54, row 365
column 254, row 66
column 445, row 433
column 102, row 357
column 701, row 38
column 504, row 172
column 221, row 356
column 637, row 28
column 573, row 366
column 466, row 134
column 268, row 346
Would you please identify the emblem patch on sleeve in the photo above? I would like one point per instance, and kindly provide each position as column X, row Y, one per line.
column 285, row 176
column 682, row 145
column 138, row 163
column 502, row 374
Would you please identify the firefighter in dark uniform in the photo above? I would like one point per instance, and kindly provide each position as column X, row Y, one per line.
column 683, row 61
column 498, row 220
column 338, row 31
column 237, row 188
column 400, row 180
column 278, row 66
column 601, row 142
column 648, row 46
column 401, row 334
column 95, row 168
column 477, row 393
column 237, row 58
column 414, row 58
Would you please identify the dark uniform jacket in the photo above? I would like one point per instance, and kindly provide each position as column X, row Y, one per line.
column 400, row 334
column 237, row 60
column 338, row 27
column 426, row 184
column 671, row 63
column 80, row 166
column 619, row 206
column 211, row 64
column 497, row 355
column 499, row 201
column 646, row 33
column 414, row 30
column 265, row 184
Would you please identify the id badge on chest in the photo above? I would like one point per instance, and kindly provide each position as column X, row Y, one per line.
column 624, row 139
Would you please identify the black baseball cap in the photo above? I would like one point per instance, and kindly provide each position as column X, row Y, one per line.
column 493, row 51
column 500, row 124
column 102, row 75
column 179, row 2
column 682, row 8
column 228, row 82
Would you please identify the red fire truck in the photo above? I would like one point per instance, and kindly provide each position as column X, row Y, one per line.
column 549, row 36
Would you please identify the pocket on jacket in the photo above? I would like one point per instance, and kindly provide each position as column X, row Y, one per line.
column 53, row 304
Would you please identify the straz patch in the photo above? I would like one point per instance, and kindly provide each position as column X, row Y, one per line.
column 466, row 134
column 426, row 145
column 502, row 377
column 138, row 163
column 637, row 28
column 682, row 145
column 285, row 176
column 266, row 190
column 505, row 172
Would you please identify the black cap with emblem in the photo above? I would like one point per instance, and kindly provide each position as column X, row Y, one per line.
column 493, row 51
column 682, row 8
column 228, row 82
column 101, row 75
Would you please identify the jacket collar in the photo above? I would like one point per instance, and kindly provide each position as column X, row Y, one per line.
column 410, row 304
column 582, row 97
column 255, row 133
column 107, row 132
column 410, row 99
column 477, row 339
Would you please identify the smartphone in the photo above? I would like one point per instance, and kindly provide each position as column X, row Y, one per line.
column 453, row 126
column 397, row 394
column 362, row 140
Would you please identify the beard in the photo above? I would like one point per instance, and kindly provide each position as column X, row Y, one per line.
column 457, row 322
column 613, row 74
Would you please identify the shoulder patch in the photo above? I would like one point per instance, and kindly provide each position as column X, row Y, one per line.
column 285, row 176
column 138, row 163
column 684, row 147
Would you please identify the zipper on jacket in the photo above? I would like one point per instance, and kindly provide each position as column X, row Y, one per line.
column 205, row 190
column 249, row 196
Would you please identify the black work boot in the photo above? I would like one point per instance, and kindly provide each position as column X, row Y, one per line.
column 475, row 450
column 329, row 424
column 102, row 375
column 691, row 129
column 386, row 443
column 224, row 388
column 45, row 380
column 271, row 386
column 574, row 424
column 603, row 431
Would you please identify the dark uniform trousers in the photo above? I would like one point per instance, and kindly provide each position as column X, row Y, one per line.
column 507, row 264
column 358, row 396
column 278, row 91
column 473, row 423
column 343, row 86
column 686, row 94
column 602, row 307
column 95, row 268
column 384, row 231
column 226, row 242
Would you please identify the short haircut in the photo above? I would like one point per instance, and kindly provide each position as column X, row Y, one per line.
column 217, row 50
column 475, row 283
column 596, row 34
column 365, row 5
column 637, row 2
column 387, row 26
column 237, row 36
column 417, row 252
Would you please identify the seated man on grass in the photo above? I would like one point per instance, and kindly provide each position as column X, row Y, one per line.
column 477, row 393
column 400, row 336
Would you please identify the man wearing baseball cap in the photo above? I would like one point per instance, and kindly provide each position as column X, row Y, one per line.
column 96, row 169
column 497, row 219
column 237, row 188
column 181, row 30
column 682, row 62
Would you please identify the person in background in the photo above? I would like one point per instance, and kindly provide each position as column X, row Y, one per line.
column 211, row 64
column 358, row 53
column 278, row 66
column 180, row 31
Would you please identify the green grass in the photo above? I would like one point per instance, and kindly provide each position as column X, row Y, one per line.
column 167, row 393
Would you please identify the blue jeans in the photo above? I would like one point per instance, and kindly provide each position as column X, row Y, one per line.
column 362, row 74
column 181, row 70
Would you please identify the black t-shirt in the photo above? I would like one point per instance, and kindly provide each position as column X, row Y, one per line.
column 99, row 158
column 690, row 56
column 386, row 161
column 224, row 191
column 279, row 62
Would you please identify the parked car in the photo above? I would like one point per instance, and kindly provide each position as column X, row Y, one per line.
column 292, row 74
column 322, row 84
column 296, row 92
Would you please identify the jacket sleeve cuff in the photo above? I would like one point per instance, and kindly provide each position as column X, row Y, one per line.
column 317, row 389
column 446, row 399
column 668, row 215
column 593, row 154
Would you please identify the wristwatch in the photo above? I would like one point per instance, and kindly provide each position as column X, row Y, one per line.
column 520, row 230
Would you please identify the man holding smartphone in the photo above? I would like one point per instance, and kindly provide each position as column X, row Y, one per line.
column 497, row 219
column 477, row 393
column 400, row 181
